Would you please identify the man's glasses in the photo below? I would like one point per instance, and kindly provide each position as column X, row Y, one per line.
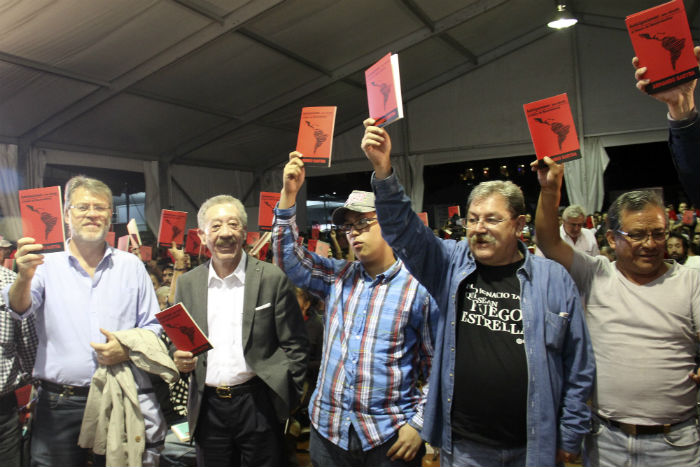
column 657, row 236
column 82, row 209
column 361, row 224
column 488, row 222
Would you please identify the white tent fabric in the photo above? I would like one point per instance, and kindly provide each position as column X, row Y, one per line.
column 584, row 177
column 10, row 224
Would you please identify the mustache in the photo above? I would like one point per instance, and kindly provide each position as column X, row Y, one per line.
column 482, row 237
column 225, row 242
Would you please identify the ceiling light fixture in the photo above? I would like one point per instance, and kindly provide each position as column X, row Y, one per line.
column 562, row 18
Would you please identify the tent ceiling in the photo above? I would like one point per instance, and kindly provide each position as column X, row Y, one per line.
column 220, row 83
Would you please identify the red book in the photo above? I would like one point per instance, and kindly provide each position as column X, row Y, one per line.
column 383, row 84
column 193, row 243
column 300, row 240
column 424, row 217
column 662, row 41
column 315, row 139
column 252, row 237
column 146, row 253
column 688, row 218
column 453, row 210
column 123, row 243
column 182, row 330
column 172, row 228
column 322, row 248
column 311, row 246
column 265, row 212
column 111, row 238
column 552, row 129
column 133, row 230
column 315, row 231
column 42, row 217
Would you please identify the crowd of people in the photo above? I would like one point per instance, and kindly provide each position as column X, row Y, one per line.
column 499, row 339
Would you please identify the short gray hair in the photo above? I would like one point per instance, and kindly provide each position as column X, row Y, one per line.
column 94, row 186
column 221, row 199
column 633, row 201
column 573, row 211
column 509, row 190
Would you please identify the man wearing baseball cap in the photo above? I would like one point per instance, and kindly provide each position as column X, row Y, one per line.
column 5, row 250
column 379, row 329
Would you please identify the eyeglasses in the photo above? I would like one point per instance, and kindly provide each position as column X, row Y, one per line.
column 361, row 224
column 657, row 236
column 487, row 222
column 83, row 209
column 233, row 225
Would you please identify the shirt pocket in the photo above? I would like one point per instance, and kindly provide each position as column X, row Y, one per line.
column 554, row 330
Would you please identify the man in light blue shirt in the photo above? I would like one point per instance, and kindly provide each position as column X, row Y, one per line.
column 79, row 297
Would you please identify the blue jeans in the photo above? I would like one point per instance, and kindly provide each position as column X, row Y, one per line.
column 55, row 431
column 467, row 453
column 323, row 453
column 608, row 446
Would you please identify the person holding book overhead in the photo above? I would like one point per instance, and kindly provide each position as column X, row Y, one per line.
column 379, row 327
column 79, row 297
column 242, row 390
column 513, row 366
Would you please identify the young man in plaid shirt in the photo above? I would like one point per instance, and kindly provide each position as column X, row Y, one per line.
column 18, row 344
column 379, row 329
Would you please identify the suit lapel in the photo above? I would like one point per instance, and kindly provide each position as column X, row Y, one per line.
column 253, row 272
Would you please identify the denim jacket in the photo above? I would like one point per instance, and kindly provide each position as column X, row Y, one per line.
column 559, row 355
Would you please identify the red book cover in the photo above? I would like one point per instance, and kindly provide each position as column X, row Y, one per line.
column 383, row 84
column 265, row 212
column 688, row 217
column 133, row 230
column 662, row 41
column 315, row 231
column 424, row 217
column 182, row 330
column 311, row 246
column 123, row 243
column 252, row 237
column 262, row 253
column 300, row 240
column 323, row 248
column 172, row 228
column 146, row 253
column 111, row 239
column 42, row 217
column 453, row 210
column 315, row 139
column 193, row 243
column 552, row 129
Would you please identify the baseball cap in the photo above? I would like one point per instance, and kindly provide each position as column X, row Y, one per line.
column 358, row 201
column 4, row 243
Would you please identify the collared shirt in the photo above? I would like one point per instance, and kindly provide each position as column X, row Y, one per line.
column 226, row 365
column 585, row 242
column 557, row 345
column 71, row 307
column 18, row 343
column 378, row 336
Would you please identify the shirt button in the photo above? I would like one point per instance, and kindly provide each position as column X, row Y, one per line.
column 453, row 323
column 449, row 400
column 453, row 349
column 137, row 439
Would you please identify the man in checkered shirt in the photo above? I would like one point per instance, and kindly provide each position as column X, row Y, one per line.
column 18, row 344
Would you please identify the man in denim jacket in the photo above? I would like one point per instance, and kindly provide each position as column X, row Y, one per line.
column 513, row 365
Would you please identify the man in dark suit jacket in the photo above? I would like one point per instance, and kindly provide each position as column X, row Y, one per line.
column 245, row 387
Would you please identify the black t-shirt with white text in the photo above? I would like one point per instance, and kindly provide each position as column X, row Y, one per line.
column 490, row 393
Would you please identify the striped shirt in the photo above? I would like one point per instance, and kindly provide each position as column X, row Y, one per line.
column 378, row 341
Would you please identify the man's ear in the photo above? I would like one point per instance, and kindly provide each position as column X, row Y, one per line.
column 520, row 224
column 610, row 237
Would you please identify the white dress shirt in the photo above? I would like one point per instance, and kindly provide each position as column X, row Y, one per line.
column 226, row 365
